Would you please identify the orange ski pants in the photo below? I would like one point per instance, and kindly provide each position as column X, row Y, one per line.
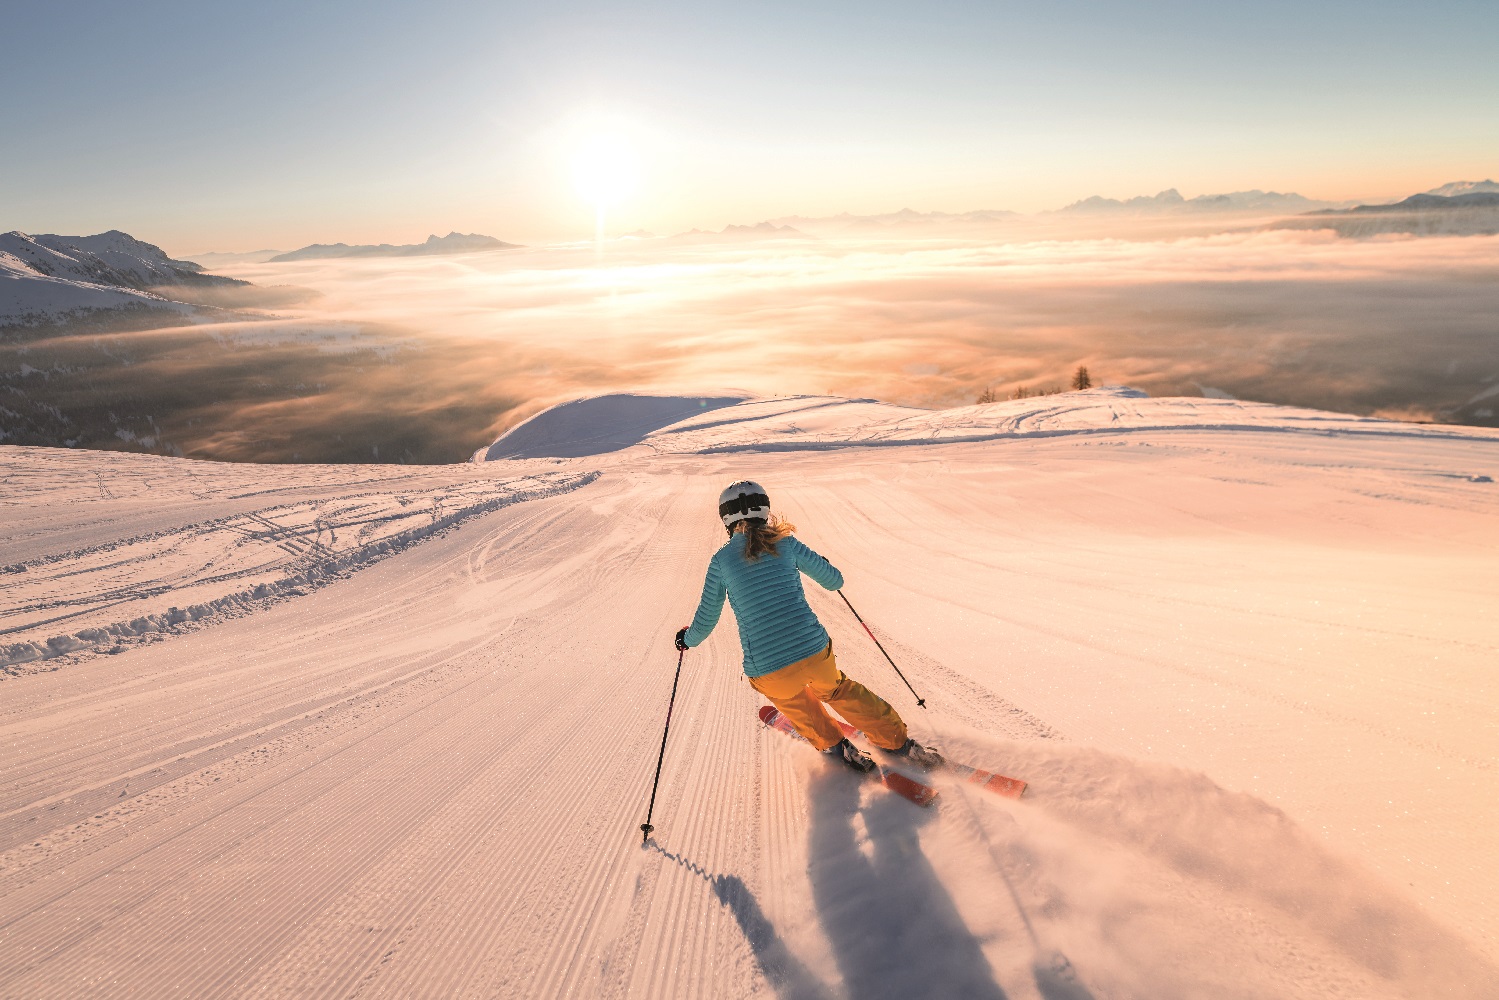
column 800, row 689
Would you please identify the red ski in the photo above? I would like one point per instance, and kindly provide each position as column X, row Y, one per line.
column 1010, row 788
column 922, row 795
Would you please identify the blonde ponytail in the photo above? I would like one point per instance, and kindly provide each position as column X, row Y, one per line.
column 760, row 537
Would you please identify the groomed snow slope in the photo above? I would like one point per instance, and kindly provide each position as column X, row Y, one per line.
column 1245, row 664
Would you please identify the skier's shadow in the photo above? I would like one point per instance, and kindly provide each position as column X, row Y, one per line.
column 785, row 972
column 894, row 929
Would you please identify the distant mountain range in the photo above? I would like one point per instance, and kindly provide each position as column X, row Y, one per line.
column 1472, row 211
column 1170, row 201
column 1435, row 203
column 1461, row 207
column 907, row 219
column 213, row 259
column 740, row 234
column 1167, row 204
column 435, row 246
column 48, row 278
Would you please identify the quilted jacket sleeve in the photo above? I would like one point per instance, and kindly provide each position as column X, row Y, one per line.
column 814, row 565
column 709, row 606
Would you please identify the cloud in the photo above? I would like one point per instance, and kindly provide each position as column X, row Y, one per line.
column 427, row 359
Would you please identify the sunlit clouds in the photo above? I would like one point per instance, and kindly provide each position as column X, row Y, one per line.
column 1282, row 317
column 425, row 359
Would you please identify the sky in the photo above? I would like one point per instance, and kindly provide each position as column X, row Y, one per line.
column 228, row 126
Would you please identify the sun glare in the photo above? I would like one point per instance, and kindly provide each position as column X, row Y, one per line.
column 605, row 171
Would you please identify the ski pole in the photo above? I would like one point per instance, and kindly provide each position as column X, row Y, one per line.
column 646, row 828
column 919, row 699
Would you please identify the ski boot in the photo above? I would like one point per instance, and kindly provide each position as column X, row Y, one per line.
column 919, row 755
column 846, row 753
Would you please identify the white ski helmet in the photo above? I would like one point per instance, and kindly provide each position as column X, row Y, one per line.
column 742, row 501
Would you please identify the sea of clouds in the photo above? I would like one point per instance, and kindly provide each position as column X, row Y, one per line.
column 1402, row 326
column 426, row 359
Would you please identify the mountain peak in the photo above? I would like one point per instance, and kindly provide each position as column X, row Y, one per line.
column 1464, row 187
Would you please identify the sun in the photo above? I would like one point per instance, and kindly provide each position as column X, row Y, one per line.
column 605, row 170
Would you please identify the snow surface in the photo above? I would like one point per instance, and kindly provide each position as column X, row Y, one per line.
column 1242, row 654
column 609, row 423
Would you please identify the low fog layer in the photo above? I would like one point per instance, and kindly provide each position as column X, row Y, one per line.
column 426, row 359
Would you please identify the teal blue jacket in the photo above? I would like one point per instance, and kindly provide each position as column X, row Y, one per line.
column 776, row 625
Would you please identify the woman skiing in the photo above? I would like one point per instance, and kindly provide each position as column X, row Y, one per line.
column 788, row 656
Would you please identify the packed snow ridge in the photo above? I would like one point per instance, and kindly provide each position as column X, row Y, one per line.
column 616, row 422
column 598, row 424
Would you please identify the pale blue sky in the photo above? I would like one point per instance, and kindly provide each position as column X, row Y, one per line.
column 235, row 126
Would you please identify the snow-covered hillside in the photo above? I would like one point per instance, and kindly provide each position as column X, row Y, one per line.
column 48, row 278
column 28, row 296
column 112, row 258
column 382, row 731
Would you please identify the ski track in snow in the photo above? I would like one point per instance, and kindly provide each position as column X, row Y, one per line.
column 1245, row 672
column 130, row 589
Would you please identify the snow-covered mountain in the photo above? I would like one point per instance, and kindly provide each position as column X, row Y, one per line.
column 434, row 246
column 29, row 297
column 1465, row 187
column 50, row 279
column 112, row 258
column 391, row 731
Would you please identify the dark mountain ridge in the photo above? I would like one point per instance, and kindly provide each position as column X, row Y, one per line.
column 434, row 246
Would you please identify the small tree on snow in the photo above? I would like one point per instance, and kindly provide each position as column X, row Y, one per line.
column 988, row 395
column 1080, row 379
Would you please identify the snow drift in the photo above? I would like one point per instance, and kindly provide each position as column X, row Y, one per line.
column 597, row 424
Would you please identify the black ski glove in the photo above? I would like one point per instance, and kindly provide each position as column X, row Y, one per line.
column 682, row 638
